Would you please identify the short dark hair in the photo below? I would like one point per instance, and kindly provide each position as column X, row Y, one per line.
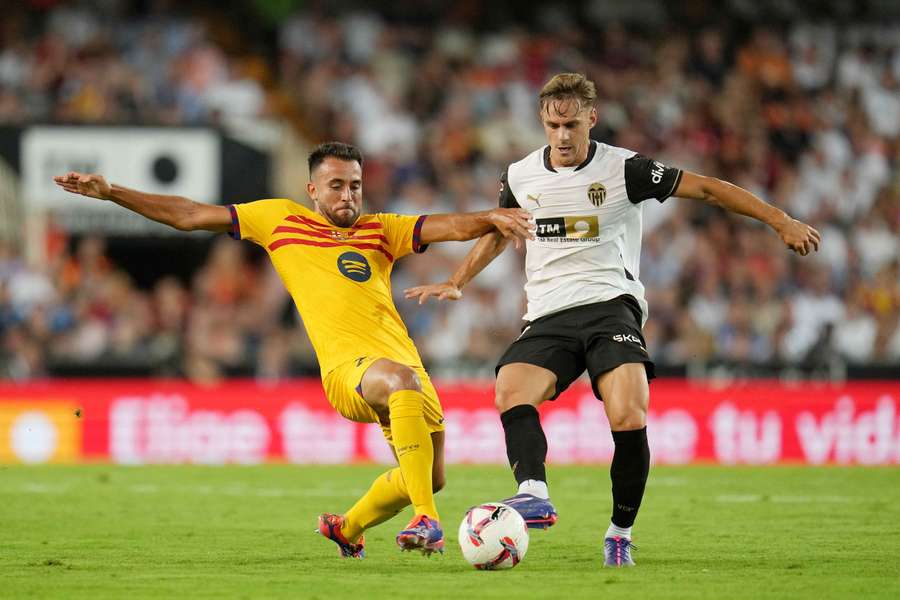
column 336, row 149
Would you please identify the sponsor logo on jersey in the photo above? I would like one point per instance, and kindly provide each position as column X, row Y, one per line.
column 354, row 265
column 597, row 193
column 535, row 199
column 576, row 228
column 550, row 228
column 657, row 172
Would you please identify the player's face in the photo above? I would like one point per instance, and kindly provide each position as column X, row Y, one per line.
column 336, row 188
column 568, row 128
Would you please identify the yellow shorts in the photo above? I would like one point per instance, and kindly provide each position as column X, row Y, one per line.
column 343, row 390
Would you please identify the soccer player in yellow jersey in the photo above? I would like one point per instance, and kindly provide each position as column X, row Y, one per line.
column 336, row 264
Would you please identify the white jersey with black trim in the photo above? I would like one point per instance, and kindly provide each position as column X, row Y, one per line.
column 588, row 239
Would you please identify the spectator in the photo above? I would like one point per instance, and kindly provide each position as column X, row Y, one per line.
column 806, row 115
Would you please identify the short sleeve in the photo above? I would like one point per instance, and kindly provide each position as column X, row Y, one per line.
column 507, row 198
column 403, row 233
column 255, row 221
column 646, row 178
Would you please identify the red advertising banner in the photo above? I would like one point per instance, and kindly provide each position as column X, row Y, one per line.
column 150, row 421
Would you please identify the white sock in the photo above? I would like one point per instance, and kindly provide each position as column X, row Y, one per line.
column 535, row 488
column 616, row 531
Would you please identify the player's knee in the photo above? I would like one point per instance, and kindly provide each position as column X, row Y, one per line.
column 506, row 398
column 398, row 378
column 513, row 391
column 628, row 420
column 503, row 402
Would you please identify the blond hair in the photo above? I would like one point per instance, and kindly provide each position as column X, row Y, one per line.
column 569, row 87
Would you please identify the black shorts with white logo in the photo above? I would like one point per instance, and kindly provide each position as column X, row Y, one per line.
column 597, row 337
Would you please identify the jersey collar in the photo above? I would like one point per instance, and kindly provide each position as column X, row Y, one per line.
column 590, row 156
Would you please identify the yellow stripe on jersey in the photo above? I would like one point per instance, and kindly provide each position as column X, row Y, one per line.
column 339, row 277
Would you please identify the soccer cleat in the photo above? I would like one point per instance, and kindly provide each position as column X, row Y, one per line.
column 423, row 533
column 330, row 527
column 617, row 552
column 537, row 512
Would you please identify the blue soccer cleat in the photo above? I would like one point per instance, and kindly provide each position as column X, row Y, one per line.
column 537, row 512
column 330, row 527
column 423, row 533
column 617, row 552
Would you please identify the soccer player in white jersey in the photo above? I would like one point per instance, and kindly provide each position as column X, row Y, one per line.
column 586, row 305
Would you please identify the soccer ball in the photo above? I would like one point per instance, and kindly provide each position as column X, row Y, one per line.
column 493, row 536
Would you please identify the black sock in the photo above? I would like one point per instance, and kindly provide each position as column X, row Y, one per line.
column 526, row 445
column 629, row 469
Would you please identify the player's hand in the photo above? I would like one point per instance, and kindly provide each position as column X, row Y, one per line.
column 798, row 236
column 93, row 186
column 441, row 291
column 513, row 223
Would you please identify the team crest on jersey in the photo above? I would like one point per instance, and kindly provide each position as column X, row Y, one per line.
column 597, row 193
column 354, row 265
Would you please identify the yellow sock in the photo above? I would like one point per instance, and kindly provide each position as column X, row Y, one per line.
column 412, row 442
column 386, row 498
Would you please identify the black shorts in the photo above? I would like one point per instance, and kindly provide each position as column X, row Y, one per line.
column 597, row 337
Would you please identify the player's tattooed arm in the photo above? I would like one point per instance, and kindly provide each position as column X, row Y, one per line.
column 486, row 250
column 796, row 235
column 512, row 223
column 176, row 211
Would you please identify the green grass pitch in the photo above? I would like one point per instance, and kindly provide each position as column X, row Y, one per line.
column 247, row 532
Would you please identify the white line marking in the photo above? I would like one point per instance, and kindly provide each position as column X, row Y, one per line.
column 203, row 490
column 42, row 488
column 735, row 498
column 144, row 488
column 784, row 499
column 667, row 481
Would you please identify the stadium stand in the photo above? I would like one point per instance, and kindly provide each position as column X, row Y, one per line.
column 805, row 114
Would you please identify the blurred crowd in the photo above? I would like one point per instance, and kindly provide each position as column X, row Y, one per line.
column 803, row 110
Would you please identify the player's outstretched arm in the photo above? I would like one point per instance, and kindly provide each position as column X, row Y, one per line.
column 487, row 249
column 511, row 223
column 798, row 236
column 175, row 211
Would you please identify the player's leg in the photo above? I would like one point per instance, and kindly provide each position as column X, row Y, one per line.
column 626, row 396
column 520, row 389
column 438, row 473
column 537, row 367
column 395, row 392
column 388, row 495
column 620, row 370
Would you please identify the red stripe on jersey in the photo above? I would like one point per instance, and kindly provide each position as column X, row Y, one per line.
column 286, row 229
column 288, row 241
column 368, row 226
column 305, row 221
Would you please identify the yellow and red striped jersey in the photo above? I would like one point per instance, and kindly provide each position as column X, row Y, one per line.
column 339, row 277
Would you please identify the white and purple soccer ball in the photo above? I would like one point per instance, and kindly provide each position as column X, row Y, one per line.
column 493, row 536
